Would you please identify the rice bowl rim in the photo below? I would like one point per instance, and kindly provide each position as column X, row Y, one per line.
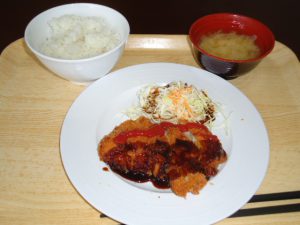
column 123, row 41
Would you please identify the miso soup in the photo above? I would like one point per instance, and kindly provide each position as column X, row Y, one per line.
column 230, row 46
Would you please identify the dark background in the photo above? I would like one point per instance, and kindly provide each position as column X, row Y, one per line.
column 165, row 17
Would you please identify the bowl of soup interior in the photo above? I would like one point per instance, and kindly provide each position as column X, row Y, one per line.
column 230, row 45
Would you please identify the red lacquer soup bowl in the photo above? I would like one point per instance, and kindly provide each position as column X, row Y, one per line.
column 228, row 23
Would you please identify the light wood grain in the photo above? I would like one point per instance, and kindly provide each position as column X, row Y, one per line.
column 34, row 188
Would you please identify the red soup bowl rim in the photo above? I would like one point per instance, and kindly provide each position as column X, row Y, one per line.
column 255, row 21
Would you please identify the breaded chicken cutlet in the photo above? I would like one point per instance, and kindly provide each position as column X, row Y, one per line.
column 178, row 156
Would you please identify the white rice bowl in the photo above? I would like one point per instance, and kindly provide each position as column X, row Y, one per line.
column 81, row 53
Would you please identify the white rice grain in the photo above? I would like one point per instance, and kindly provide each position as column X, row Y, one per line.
column 77, row 37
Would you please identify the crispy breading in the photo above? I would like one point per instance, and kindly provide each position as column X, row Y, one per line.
column 192, row 182
column 107, row 143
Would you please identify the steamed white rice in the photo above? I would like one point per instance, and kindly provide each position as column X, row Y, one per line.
column 77, row 37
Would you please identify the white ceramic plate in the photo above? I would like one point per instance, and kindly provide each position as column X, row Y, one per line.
column 99, row 109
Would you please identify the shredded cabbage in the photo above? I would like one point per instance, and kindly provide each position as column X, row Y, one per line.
column 175, row 102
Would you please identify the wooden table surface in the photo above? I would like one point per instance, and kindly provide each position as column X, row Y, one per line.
column 33, row 103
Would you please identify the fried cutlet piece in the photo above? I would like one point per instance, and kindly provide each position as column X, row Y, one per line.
column 107, row 143
column 174, row 133
column 192, row 182
column 139, row 161
column 183, row 159
column 190, row 168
